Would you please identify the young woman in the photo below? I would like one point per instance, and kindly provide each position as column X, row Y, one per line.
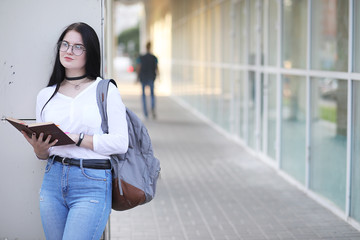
column 75, row 197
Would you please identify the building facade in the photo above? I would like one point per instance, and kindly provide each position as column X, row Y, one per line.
column 279, row 76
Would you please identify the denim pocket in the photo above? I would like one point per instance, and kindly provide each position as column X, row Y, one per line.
column 95, row 174
column 49, row 164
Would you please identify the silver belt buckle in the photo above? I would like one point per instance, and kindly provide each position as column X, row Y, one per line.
column 63, row 161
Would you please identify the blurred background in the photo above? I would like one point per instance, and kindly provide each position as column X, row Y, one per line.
column 279, row 77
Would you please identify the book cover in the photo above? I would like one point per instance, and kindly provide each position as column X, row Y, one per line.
column 46, row 128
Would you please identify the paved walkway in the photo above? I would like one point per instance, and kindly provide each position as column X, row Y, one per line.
column 211, row 188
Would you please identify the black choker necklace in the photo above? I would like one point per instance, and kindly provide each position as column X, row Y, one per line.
column 75, row 78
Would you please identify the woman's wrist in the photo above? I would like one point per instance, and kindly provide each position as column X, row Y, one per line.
column 42, row 156
column 81, row 137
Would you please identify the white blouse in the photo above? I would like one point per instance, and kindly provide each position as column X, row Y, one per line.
column 81, row 114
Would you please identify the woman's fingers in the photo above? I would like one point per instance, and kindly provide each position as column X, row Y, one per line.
column 47, row 141
column 53, row 142
column 41, row 137
column 39, row 142
column 26, row 136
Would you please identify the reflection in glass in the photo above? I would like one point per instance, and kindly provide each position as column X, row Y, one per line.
column 273, row 27
column 195, row 98
column 211, row 91
column 328, row 138
column 295, row 34
column 216, row 95
column 207, row 91
column 356, row 48
column 252, row 33
column 225, row 40
column 293, row 126
column 330, row 25
column 225, row 100
column 191, row 87
column 251, row 109
column 259, row 135
column 239, row 103
column 240, row 32
column 271, row 118
column 355, row 174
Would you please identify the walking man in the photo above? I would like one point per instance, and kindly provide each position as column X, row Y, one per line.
column 147, row 69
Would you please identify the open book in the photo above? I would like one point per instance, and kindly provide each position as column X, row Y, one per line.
column 46, row 128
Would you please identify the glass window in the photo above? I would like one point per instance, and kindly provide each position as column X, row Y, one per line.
column 273, row 28
column 214, row 34
column 271, row 116
column 201, row 90
column 253, row 33
column 295, row 34
column 216, row 107
column 226, row 92
column 259, row 132
column 328, row 138
column 208, row 35
column 293, row 126
column 329, row 43
column 196, row 89
column 355, row 168
column 207, row 91
column 225, row 39
column 240, row 32
column 251, row 110
column 239, row 103
column 210, row 91
column 217, row 49
column 356, row 49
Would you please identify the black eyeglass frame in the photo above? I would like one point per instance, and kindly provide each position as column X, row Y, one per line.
column 72, row 47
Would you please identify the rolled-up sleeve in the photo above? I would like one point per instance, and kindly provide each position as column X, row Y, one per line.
column 117, row 140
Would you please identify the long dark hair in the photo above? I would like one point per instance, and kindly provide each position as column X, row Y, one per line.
column 93, row 57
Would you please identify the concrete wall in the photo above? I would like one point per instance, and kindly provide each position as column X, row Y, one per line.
column 29, row 31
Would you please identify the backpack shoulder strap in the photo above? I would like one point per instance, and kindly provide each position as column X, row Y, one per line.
column 101, row 99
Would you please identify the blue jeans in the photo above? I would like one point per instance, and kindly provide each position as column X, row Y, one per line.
column 152, row 95
column 75, row 202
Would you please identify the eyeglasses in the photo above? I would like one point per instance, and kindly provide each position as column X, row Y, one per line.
column 77, row 49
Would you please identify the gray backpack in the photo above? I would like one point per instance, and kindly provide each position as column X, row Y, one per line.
column 135, row 173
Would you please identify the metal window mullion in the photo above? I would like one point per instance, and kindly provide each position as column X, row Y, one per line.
column 246, row 77
column 308, row 98
column 237, row 99
column 348, row 149
column 258, row 110
column 349, row 111
column 232, row 71
column 220, row 58
column 279, row 85
column 258, row 77
column 266, row 78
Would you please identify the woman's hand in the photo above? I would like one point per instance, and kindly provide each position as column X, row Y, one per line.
column 41, row 146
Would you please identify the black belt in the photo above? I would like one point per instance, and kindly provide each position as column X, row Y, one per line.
column 86, row 163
